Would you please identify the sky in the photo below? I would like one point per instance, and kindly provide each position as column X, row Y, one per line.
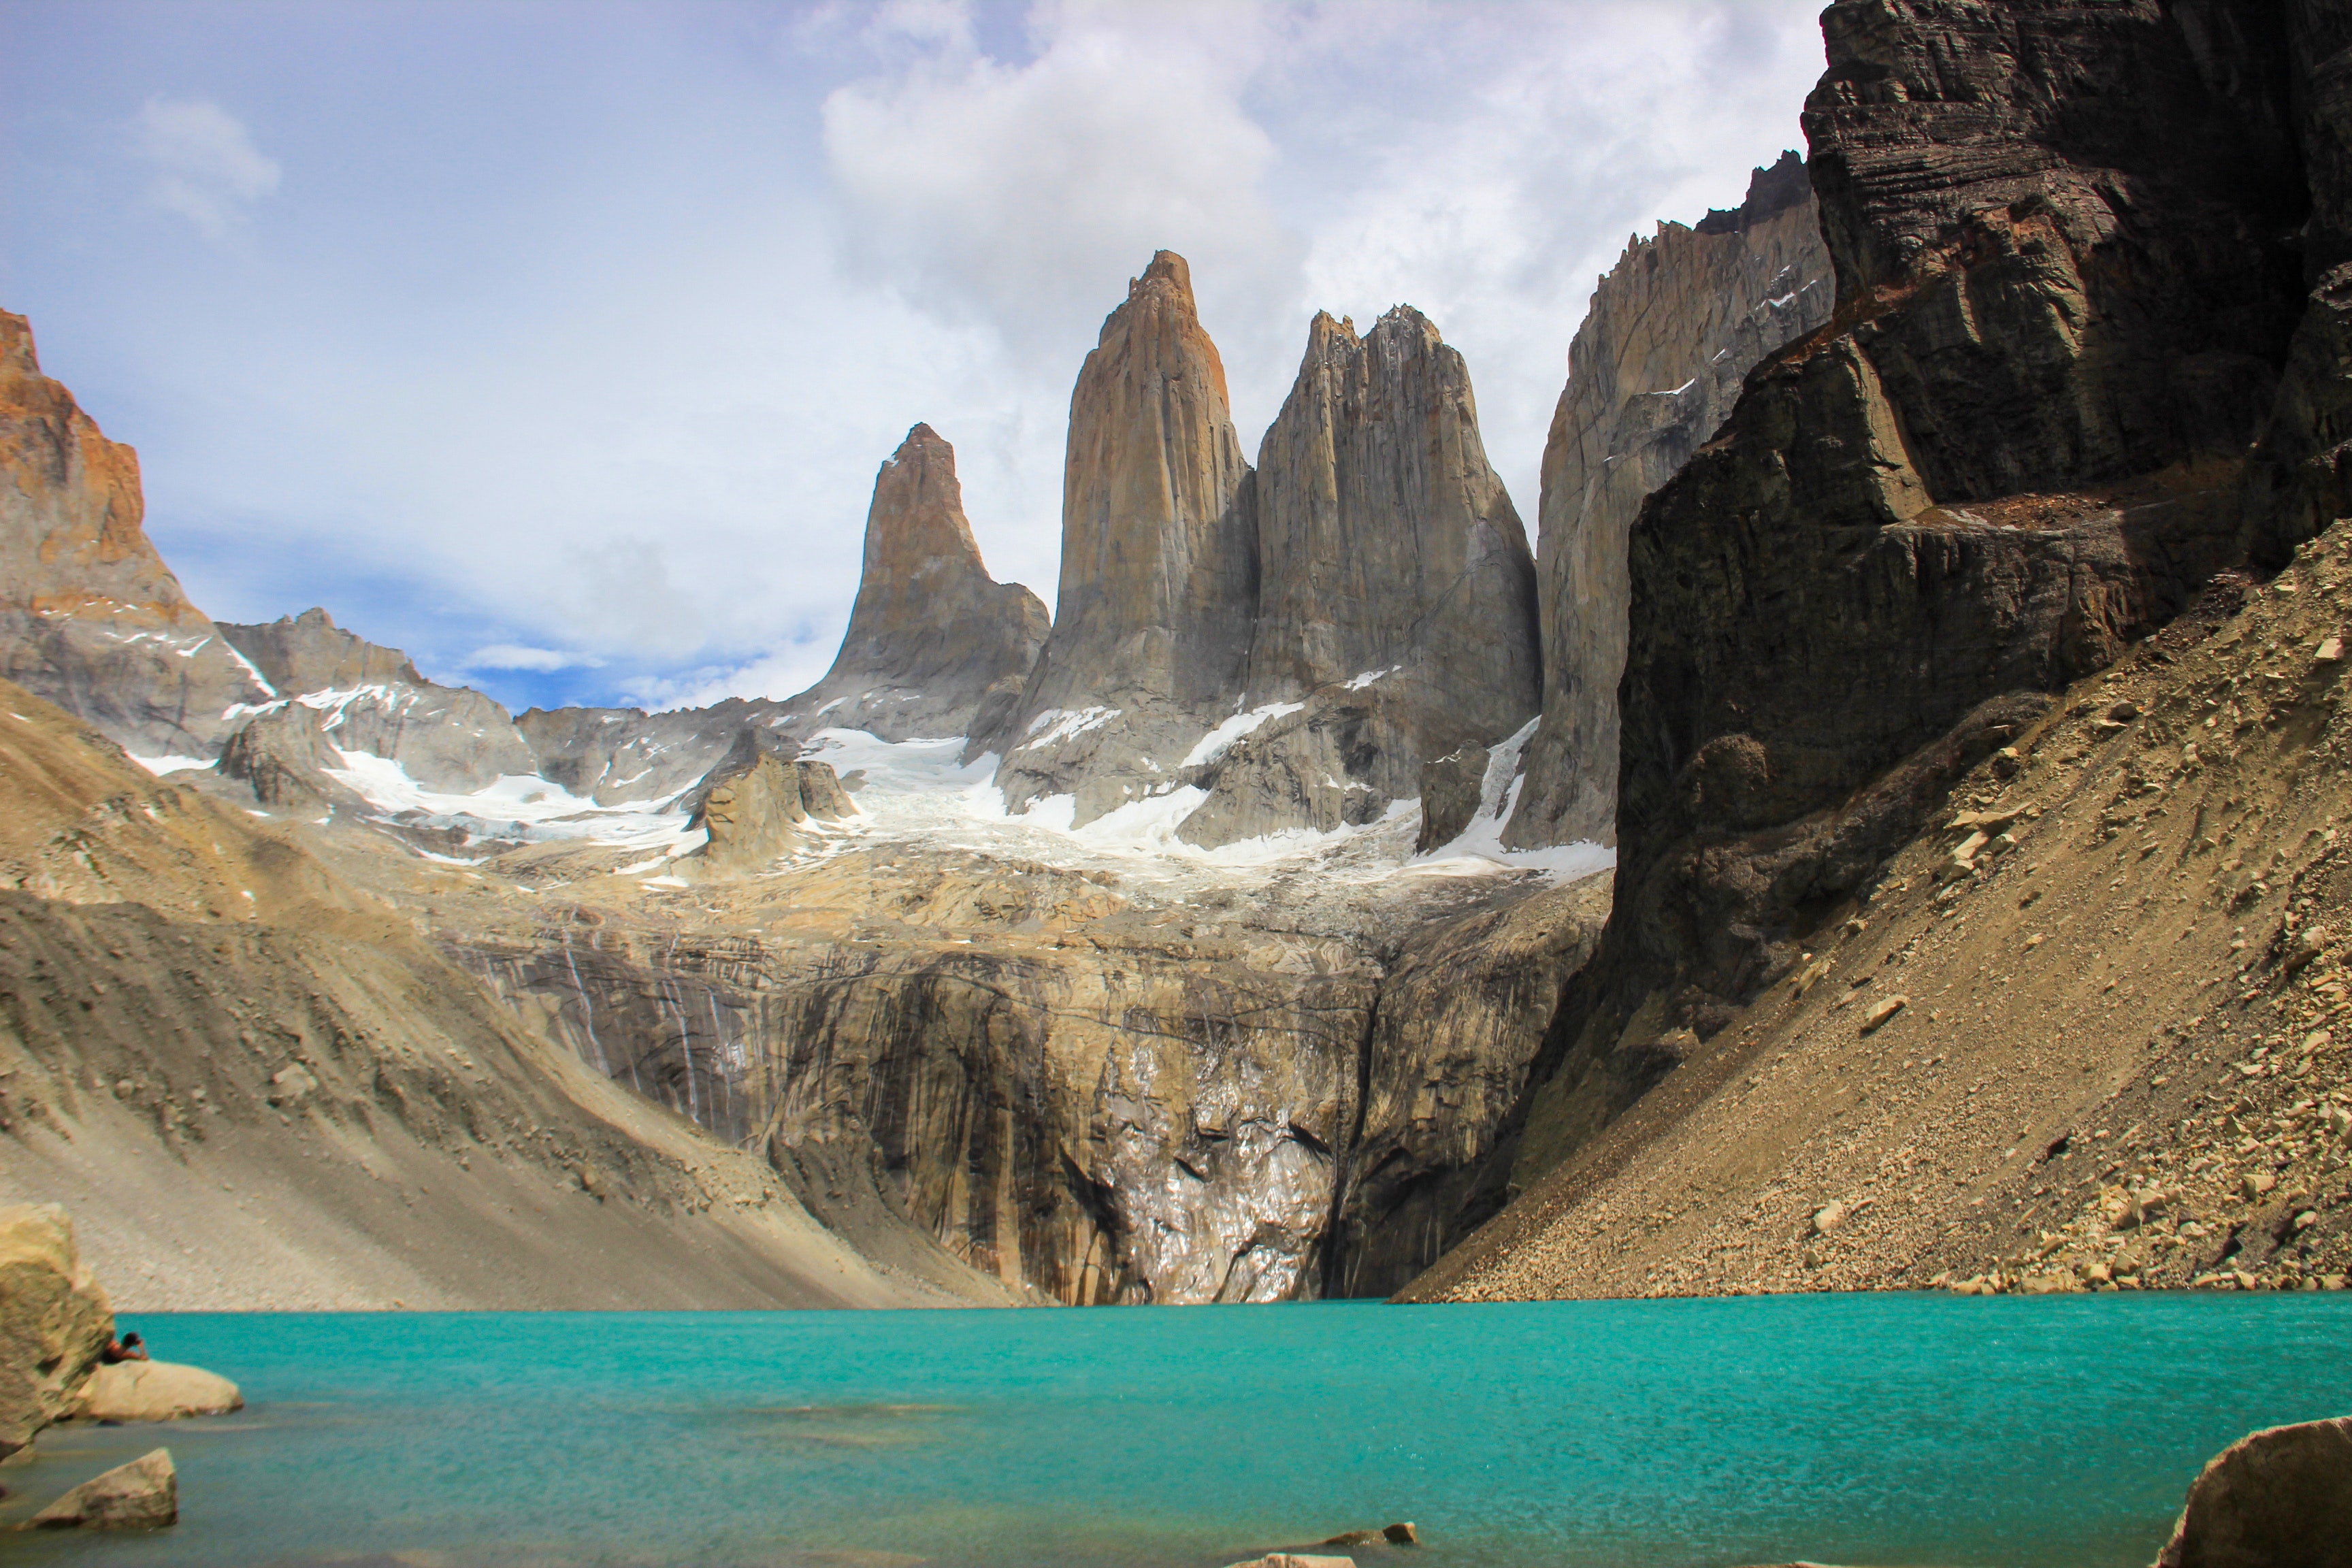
column 559, row 343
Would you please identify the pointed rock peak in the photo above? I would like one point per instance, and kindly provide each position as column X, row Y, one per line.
column 17, row 356
column 1167, row 267
column 918, row 510
column 1325, row 330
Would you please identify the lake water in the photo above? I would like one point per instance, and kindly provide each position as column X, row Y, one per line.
column 1858, row 1429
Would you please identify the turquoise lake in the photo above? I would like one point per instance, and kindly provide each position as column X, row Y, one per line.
column 1857, row 1429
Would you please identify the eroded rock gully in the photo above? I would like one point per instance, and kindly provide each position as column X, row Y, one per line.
column 1077, row 1085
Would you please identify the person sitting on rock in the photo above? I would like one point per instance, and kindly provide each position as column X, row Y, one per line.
column 127, row 1347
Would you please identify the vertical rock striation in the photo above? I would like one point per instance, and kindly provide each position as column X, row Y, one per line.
column 1159, row 575
column 1397, row 603
column 936, row 647
column 90, row 615
column 1673, row 331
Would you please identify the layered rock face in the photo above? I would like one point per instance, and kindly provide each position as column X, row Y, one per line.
column 936, row 647
column 1159, row 576
column 1397, row 603
column 55, row 1319
column 2065, row 290
column 1672, row 331
column 90, row 615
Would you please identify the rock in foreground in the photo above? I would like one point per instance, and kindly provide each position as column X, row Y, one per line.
column 156, row 1391
column 2276, row 1499
column 142, row 1495
column 54, row 1321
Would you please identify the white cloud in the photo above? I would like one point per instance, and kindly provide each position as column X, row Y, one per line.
column 207, row 168
column 517, row 656
column 1024, row 195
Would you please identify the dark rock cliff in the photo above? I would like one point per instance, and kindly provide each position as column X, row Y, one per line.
column 2065, row 240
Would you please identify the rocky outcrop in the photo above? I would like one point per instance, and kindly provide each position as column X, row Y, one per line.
column 1451, row 789
column 55, row 1319
column 156, row 1391
column 309, row 653
column 618, row 755
column 936, row 647
column 1672, row 331
column 142, row 1495
column 1396, row 603
column 1150, row 642
column 753, row 806
column 2065, row 294
column 2281, row 1498
column 90, row 615
column 283, row 756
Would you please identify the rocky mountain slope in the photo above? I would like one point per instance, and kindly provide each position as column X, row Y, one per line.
column 1672, row 331
column 2089, row 1029
column 256, row 1087
column 89, row 615
column 2067, row 246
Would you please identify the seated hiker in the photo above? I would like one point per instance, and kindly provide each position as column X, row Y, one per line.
column 127, row 1347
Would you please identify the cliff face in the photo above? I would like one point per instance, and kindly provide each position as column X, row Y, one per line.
column 1159, row 576
column 90, row 615
column 935, row 646
column 1397, row 605
column 1672, row 331
column 2062, row 244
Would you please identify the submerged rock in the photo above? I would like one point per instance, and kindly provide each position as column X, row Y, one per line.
column 55, row 1321
column 156, row 1391
column 2280, row 1497
column 142, row 1495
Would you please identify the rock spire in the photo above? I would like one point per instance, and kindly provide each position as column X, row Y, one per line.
column 936, row 647
column 1159, row 585
column 1397, row 602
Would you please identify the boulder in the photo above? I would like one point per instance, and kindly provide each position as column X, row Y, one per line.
column 2280, row 1497
column 754, row 804
column 156, row 1391
column 55, row 1321
column 1296, row 1560
column 142, row 1495
column 1387, row 1535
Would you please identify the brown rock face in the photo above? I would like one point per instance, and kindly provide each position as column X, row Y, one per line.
column 2065, row 294
column 1159, row 587
column 753, row 805
column 54, row 1321
column 2277, row 1499
column 309, row 653
column 936, row 647
column 1673, row 331
column 1397, row 597
column 90, row 615
column 142, row 1495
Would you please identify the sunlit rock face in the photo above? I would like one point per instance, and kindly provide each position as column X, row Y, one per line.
column 1159, row 575
column 1672, row 331
column 936, row 647
column 1397, row 598
column 90, row 615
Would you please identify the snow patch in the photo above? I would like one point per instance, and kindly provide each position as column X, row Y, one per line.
column 160, row 767
column 1222, row 738
column 1060, row 725
column 1478, row 851
column 1358, row 682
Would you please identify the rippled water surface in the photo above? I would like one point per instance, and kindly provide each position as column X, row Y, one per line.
column 1876, row 1429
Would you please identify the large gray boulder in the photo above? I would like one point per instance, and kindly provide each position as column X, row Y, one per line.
column 55, row 1321
column 2281, row 1498
column 142, row 1495
column 156, row 1391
